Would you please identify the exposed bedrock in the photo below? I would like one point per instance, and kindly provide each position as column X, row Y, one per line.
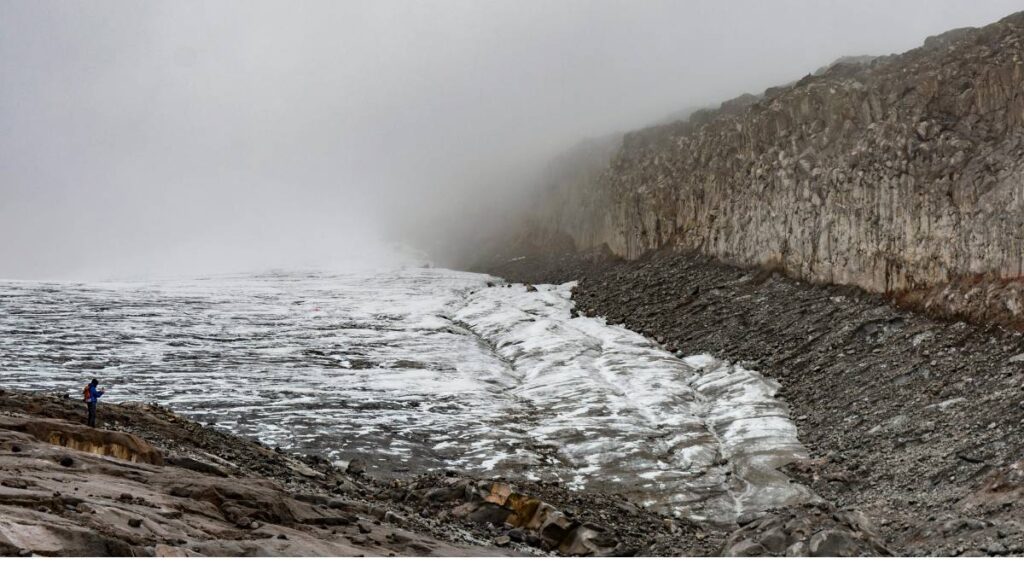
column 903, row 175
column 94, row 441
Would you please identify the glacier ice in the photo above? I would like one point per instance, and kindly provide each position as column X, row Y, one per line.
column 416, row 369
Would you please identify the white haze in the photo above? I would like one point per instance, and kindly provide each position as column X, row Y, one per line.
column 155, row 138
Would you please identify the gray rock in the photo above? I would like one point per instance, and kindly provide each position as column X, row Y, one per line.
column 196, row 465
column 356, row 467
column 832, row 543
column 394, row 518
column 745, row 548
column 774, row 540
column 797, row 550
column 489, row 513
column 587, row 540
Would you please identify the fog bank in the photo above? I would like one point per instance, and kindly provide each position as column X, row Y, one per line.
column 155, row 138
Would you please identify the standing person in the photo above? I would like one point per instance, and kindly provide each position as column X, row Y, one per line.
column 92, row 396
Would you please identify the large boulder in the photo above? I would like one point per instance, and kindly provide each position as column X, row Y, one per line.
column 810, row 530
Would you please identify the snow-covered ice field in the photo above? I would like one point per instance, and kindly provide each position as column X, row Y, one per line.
column 415, row 369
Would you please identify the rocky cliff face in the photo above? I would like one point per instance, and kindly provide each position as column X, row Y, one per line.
column 902, row 175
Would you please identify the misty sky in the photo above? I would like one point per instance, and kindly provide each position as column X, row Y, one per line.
column 180, row 137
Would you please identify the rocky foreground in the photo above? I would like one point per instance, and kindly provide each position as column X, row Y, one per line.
column 914, row 423
column 150, row 483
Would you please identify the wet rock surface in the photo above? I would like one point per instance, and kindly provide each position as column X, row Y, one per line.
column 905, row 418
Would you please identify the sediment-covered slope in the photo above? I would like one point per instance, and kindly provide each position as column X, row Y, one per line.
column 903, row 175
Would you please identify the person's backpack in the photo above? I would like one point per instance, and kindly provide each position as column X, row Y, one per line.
column 87, row 394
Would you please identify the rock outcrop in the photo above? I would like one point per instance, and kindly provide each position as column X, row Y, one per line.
column 92, row 440
column 902, row 175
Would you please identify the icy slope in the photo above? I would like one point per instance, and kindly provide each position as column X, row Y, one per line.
column 694, row 435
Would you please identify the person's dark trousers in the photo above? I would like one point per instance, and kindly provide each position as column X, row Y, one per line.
column 92, row 414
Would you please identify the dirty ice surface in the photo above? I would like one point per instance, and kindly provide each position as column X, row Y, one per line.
column 416, row 369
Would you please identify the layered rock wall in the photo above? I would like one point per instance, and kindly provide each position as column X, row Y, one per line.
column 903, row 175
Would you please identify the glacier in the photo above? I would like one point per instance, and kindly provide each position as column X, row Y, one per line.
column 416, row 369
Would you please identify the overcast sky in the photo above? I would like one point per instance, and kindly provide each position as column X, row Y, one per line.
column 177, row 137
